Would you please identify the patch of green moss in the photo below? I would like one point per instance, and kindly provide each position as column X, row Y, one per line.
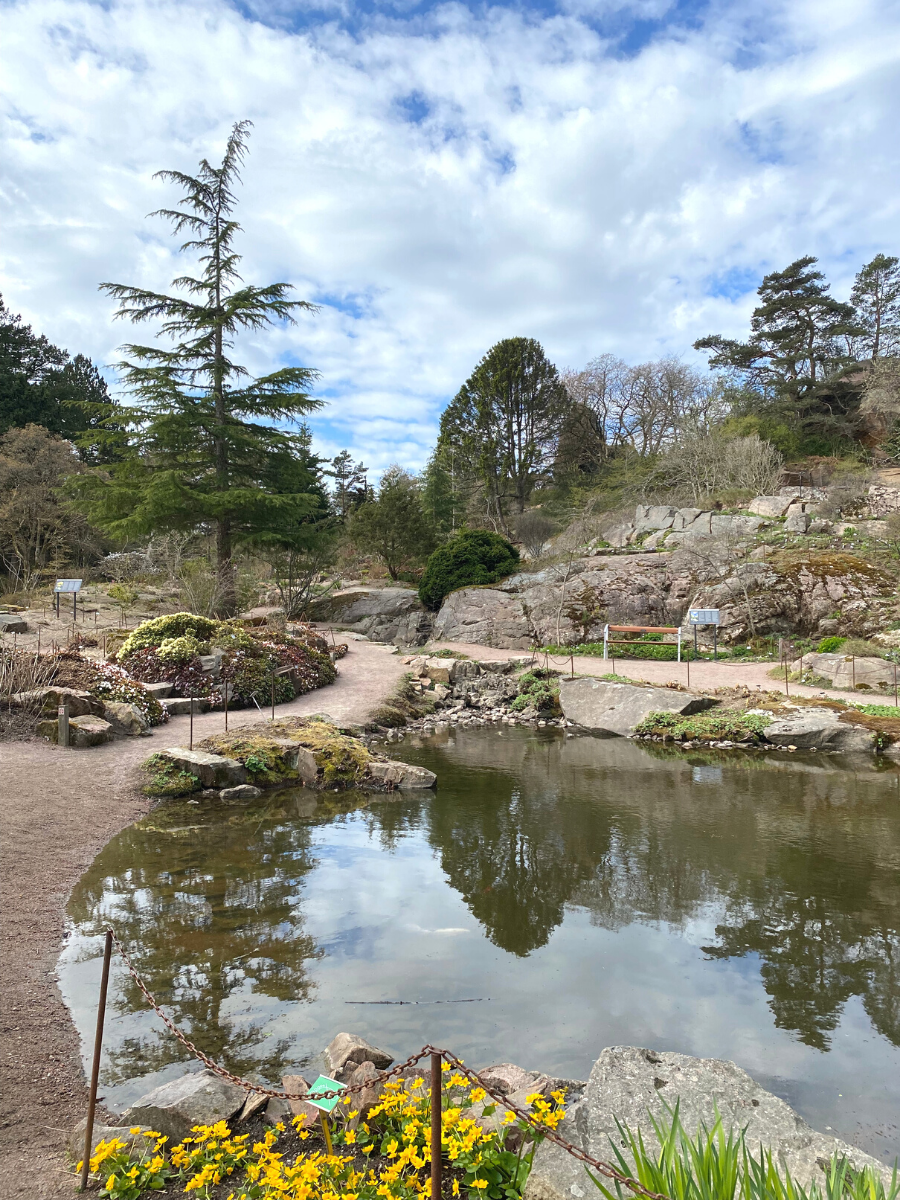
column 343, row 760
column 262, row 757
column 404, row 704
column 163, row 778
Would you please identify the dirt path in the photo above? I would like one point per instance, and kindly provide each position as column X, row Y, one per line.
column 58, row 809
column 703, row 675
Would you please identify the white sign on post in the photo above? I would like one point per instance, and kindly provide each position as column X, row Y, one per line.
column 703, row 616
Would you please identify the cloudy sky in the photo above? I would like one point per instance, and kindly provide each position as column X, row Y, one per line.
column 600, row 175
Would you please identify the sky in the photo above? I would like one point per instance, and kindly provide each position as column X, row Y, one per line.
column 603, row 176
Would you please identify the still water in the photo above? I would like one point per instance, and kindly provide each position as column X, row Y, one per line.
column 554, row 896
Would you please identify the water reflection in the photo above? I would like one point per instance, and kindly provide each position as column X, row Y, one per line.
column 595, row 872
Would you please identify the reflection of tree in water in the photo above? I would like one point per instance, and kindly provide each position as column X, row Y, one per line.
column 207, row 902
column 806, row 864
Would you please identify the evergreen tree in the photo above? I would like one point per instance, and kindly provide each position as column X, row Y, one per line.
column 208, row 452
column 394, row 526
column 798, row 335
column 440, row 500
column 876, row 302
column 350, row 486
column 41, row 385
column 505, row 420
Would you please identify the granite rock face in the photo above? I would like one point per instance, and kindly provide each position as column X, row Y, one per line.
column 135, row 1143
column 627, row 1082
column 198, row 1099
column 617, row 707
column 389, row 614
column 402, row 775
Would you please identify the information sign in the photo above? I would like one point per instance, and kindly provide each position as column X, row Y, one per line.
column 703, row 616
column 68, row 585
column 324, row 1084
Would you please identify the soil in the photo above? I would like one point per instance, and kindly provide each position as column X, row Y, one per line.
column 58, row 809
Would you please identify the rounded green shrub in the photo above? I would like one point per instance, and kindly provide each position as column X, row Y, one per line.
column 151, row 634
column 471, row 558
column 830, row 645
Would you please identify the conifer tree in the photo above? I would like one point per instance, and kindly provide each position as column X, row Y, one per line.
column 876, row 301
column 207, row 451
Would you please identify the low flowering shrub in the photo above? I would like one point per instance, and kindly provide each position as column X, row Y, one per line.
column 123, row 1177
column 115, row 684
column 187, row 678
column 385, row 1157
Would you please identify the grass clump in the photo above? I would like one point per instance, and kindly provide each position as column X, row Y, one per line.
column 830, row 645
column 713, row 725
column 163, row 778
column 715, row 1165
column 404, row 704
column 538, row 689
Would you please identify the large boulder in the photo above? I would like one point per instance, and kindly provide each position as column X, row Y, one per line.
column 770, row 506
column 198, row 1099
column 12, row 623
column 811, row 728
column 83, row 731
column 847, row 671
column 180, row 706
column 126, row 719
column 135, row 1142
column 388, row 614
column 402, row 775
column 486, row 616
column 213, row 770
column 606, row 707
column 348, row 1048
column 628, row 1083
column 48, row 699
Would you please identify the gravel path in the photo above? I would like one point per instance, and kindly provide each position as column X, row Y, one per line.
column 58, row 809
column 703, row 675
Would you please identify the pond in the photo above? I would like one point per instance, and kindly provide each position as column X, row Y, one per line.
column 555, row 895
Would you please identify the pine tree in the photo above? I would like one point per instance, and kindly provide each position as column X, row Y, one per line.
column 876, row 301
column 207, row 452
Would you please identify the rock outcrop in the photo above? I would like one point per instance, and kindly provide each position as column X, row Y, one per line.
column 347, row 1048
column 402, row 775
column 848, row 671
column 386, row 614
column 615, row 708
column 198, row 1099
column 213, row 770
column 627, row 1083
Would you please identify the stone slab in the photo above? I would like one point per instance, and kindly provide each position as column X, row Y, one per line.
column 402, row 775
column 201, row 1098
column 617, row 707
column 627, row 1082
column 213, row 770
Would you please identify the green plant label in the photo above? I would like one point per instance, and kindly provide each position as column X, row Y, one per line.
column 324, row 1084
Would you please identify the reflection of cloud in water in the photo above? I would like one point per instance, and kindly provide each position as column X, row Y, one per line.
column 447, row 932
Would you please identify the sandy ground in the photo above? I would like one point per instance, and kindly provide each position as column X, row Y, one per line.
column 58, row 809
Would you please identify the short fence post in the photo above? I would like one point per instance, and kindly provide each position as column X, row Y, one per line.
column 435, row 1127
column 226, row 705
column 689, row 671
column 95, row 1069
column 787, row 690
column 895, row 685
column 191, row 743
column 273, row 693
column 62, row 736
column 572, row 666
column 853, row 668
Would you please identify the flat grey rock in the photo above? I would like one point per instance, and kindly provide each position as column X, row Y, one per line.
column 135, row 1143
column 628, row 1082
column 243, row 791
column 213, row 770
column 180, row 706
column 617, row 707
column 402, row 775
column 201, row 1098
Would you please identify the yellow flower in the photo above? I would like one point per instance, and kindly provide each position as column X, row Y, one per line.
column 455, row 1187
column 481, row 1184
column 350, row 1137
column 135, row 1129
column 508, row 1117
column 478, row 1094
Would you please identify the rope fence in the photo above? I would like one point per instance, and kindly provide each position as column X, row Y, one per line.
column 437, row 1054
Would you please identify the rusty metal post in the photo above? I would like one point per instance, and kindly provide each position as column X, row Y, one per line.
column 62, row 717
column 853, row 668
column 191, row 745
column 435, row 1127
column 39, row 640
column 273, row 693
column 226, row 705
column 689, row 671
column 895, row 685
column 572, row 666
column 95, row 1069
column 787, row 690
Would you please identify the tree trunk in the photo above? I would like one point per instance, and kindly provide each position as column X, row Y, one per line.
column 227, row 588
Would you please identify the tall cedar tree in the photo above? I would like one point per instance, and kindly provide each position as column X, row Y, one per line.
column 505, row 418
column 207, row 451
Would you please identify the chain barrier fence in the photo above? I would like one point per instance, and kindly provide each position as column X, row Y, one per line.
column 437, row 1054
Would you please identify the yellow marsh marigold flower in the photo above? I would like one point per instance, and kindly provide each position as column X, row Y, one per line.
column 481, row 1184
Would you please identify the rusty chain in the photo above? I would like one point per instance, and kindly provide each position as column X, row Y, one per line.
column 604, row 1168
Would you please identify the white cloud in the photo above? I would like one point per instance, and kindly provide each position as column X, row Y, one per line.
column 446, row 180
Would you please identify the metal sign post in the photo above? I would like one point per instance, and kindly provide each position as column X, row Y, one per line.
column 69, row 586
column 706, row 616
column 324, row 1084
